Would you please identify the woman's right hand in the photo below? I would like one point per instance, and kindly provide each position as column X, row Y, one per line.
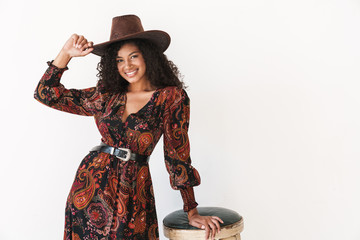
column 77, row 46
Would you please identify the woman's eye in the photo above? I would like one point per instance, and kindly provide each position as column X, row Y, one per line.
column 134, row 56
column 119, row 60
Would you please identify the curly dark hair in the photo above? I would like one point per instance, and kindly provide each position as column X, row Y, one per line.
column 160, row 71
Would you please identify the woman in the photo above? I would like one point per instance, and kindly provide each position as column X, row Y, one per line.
column 138, row 98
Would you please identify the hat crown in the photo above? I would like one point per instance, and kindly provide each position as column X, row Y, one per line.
column 124, row 26
column 129, row 27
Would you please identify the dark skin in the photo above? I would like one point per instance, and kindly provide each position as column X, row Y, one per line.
column 132, row 67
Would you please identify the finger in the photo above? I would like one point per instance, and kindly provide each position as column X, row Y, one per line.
column 83, row 42
column 207, row 232
column 213, row 228
column 87, row 51
column 215, row 221
column 75, row 38
column 217, row 218
column 86, row 46
column 81, row 37
column 83, row 45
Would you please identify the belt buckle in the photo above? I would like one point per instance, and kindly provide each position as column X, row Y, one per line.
column 128, row 154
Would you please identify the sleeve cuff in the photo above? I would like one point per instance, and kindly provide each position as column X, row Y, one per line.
column 50, row 64
column 52, row 75
column 188, row 197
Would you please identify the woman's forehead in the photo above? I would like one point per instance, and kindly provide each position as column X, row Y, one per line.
column 127, row 48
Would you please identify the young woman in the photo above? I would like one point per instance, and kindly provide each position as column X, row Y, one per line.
column 138, row 98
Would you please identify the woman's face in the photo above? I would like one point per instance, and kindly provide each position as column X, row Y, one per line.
column 131, row 64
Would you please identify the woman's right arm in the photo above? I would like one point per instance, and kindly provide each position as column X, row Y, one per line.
column 53, row 94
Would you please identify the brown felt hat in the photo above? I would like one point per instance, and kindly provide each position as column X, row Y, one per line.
column 130, row 27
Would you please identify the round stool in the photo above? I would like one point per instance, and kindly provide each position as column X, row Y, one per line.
column 176, row 224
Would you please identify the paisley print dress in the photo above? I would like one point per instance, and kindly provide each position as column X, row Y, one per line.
column 111, row 198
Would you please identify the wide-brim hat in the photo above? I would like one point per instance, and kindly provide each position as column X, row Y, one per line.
column 129, row 27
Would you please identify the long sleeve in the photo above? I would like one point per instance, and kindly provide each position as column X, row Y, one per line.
column 52, row 93
column 183, row 176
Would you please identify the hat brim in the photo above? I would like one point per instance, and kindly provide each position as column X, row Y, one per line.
column 160, row 38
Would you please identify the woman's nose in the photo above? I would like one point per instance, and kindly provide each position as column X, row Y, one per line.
column 127, row 64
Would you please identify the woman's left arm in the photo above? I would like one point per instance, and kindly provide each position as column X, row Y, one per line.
column 183, row 176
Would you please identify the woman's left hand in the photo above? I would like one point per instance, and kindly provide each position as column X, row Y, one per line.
column 209, row 223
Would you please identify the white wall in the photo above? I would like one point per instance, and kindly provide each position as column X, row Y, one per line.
column 274, row 120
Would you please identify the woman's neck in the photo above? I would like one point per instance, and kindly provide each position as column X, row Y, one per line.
column 141, row 87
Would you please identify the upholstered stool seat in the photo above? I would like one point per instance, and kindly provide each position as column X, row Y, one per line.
column 176, row 224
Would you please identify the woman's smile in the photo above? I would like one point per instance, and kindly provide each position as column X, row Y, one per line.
column 132, row 73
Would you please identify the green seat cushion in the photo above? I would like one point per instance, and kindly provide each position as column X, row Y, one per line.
column 179, row 219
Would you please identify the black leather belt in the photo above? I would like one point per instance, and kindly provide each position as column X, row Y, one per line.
column 124, row 154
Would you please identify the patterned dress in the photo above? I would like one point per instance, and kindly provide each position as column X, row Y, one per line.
column 111, row 198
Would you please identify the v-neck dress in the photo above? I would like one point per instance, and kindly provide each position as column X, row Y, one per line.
column 111, row 198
